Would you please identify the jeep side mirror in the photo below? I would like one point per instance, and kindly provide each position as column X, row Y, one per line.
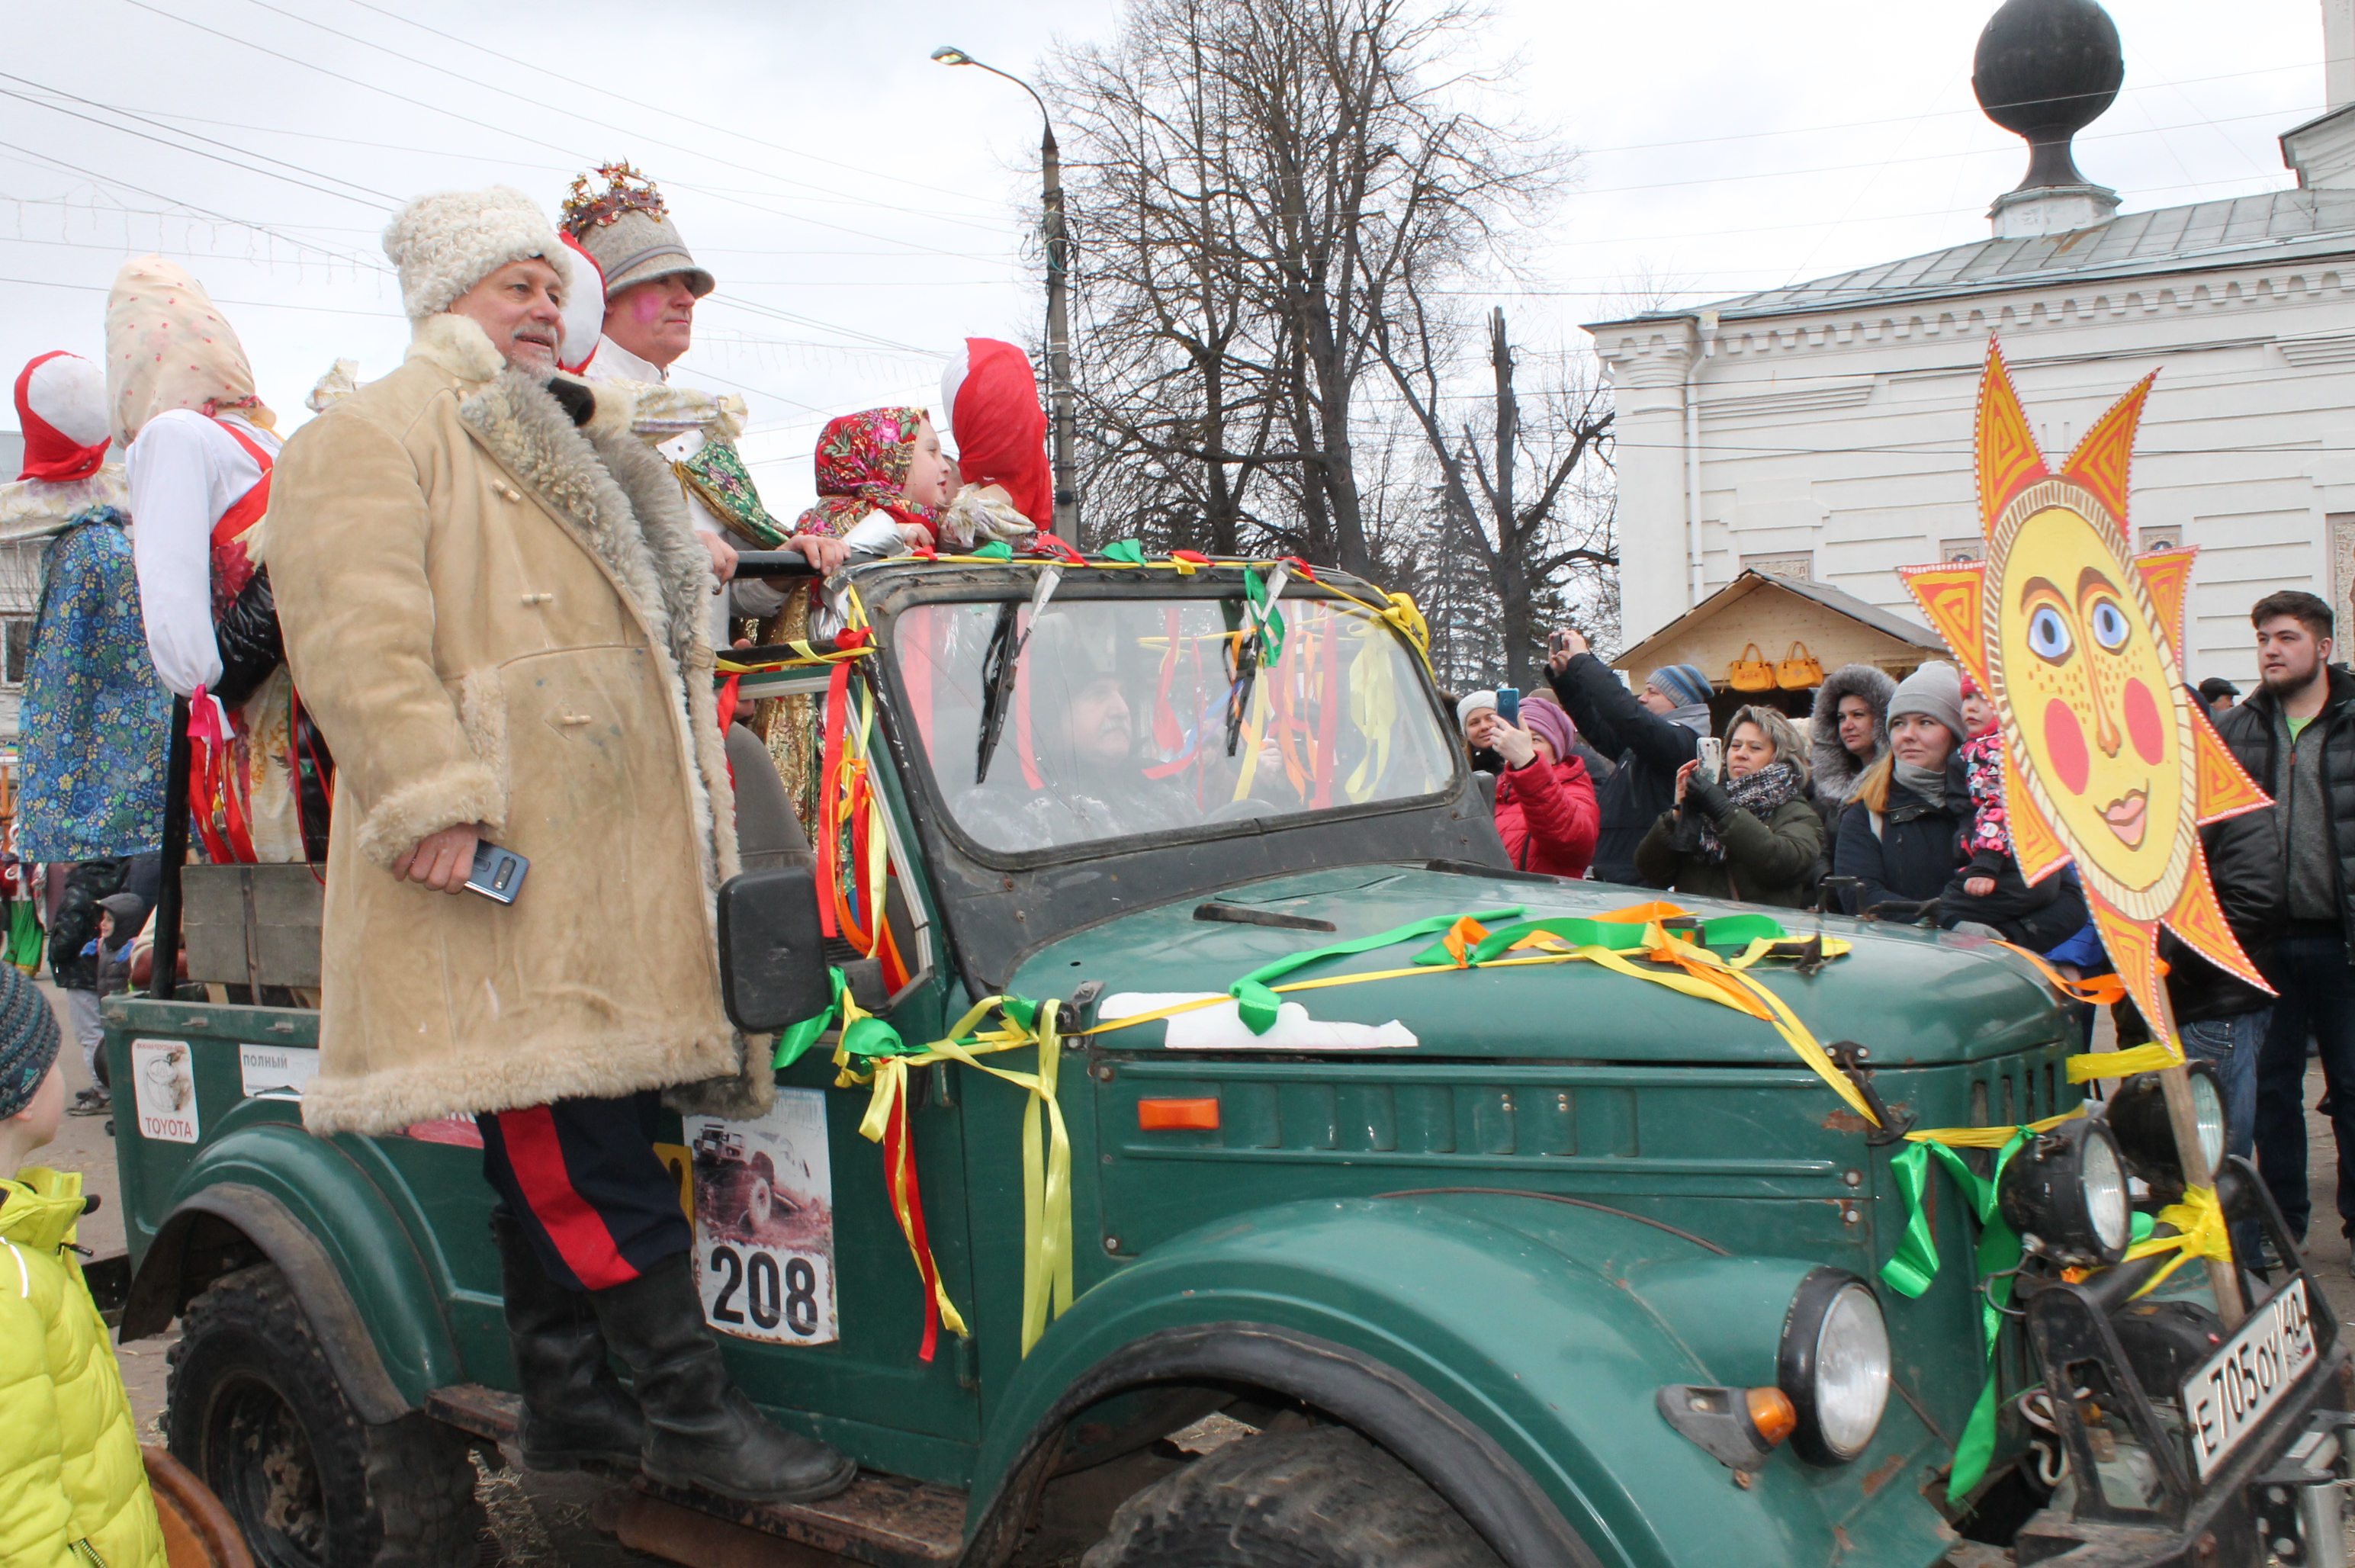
column 771, row 951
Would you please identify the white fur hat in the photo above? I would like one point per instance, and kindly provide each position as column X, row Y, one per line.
column 447, row 242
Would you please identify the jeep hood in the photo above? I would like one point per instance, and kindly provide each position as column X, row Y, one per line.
column 1911, row 997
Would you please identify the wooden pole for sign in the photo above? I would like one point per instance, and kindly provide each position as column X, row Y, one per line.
column 2183, row 1116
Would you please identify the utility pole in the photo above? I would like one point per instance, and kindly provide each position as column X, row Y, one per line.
column 1058, row 326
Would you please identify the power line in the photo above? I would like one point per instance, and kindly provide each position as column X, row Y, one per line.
column 197, row 152
column 207, row 212
column 1932, row 114
column 573, row 114
column 242, row 304
column 639, row 103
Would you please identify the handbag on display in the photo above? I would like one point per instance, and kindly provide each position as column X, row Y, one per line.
column 1799, row 670
column 1750, row 672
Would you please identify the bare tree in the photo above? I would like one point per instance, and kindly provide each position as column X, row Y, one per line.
column 1531, row 507
column 1253, row 183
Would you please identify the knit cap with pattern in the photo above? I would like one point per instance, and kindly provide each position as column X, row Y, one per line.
column 28, row 1041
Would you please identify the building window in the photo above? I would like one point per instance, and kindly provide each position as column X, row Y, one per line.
column 1971, row 549
column 1791, row 566
column 16, row 648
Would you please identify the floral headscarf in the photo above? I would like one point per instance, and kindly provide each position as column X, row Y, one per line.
column 167, row 347
column 862, row 467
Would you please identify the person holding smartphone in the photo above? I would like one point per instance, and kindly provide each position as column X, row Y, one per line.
column 493, row 603
column 1651, row 732
column 1545, row 810
column 1747, row 831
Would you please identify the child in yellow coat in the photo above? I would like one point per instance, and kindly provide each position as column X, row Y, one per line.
column 73, row 1490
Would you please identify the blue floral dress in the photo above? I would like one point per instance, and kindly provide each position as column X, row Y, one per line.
column 95, row 719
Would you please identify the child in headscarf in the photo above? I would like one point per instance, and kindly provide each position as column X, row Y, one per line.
column 882, row 482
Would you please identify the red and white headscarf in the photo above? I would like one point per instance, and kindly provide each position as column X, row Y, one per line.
column 61, row 408
column 991, row 399
column 167, row 347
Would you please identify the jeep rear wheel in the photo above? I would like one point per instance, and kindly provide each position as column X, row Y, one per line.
column 1321, row 1498
column 254, row 1410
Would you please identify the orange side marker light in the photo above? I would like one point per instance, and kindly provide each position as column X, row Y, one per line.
column 1166, row 1115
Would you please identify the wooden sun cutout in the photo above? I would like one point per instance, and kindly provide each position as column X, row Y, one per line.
column 2106, row 763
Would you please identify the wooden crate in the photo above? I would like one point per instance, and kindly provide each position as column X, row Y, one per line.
column 251, row 925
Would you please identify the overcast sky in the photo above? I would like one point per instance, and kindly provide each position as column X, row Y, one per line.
column 865, row 210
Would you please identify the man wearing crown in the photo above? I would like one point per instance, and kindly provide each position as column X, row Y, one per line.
column 651, row 285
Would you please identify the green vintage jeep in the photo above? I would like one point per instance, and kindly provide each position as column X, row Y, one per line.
column 1508, row 1253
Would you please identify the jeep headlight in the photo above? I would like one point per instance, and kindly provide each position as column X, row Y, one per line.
column 1834, row 1365
column 2067, row 1187
column 2137, row 1113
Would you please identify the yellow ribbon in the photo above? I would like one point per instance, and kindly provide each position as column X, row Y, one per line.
column 1046, row 1288
column 1754, row 998
column 1987, row 1137
column 2201, row 1232
column 2148, row 1058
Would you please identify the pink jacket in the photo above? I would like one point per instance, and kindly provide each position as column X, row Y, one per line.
column 1548, row 816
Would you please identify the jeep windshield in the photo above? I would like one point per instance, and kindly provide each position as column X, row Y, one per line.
column 1150, row 715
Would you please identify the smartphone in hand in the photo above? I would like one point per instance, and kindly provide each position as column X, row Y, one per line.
column 1508, row 705
column 1712, row 757
column 498, row 873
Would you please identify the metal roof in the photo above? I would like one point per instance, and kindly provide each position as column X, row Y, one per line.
column 2284, row 225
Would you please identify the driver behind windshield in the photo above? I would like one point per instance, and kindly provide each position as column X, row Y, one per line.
column 1077, row 777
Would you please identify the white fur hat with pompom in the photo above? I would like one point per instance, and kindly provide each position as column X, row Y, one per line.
column 447, row 242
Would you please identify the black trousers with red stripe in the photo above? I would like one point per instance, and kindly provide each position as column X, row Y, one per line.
column 582, row 1176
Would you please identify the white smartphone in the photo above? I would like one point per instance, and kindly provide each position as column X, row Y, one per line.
column 1712, row 757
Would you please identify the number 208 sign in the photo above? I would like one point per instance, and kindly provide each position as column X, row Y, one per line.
column 765, row 1223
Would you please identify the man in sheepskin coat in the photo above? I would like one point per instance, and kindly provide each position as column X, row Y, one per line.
column 493, row 603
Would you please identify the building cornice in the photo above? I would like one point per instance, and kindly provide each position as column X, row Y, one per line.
column 2022, row 314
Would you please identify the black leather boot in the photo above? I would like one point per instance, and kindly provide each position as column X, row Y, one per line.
column 574, row 1408
column 700, row 1430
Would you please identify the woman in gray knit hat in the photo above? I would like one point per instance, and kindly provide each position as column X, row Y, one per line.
column 1901, row 832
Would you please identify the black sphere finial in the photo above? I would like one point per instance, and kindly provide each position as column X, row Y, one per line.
column 2044, row 71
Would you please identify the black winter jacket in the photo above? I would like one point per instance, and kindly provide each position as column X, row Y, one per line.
column 1648, row 748
column 2248, row 730
column 1912, row 857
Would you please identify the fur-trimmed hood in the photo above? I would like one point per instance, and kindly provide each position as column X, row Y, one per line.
column 1835, row 768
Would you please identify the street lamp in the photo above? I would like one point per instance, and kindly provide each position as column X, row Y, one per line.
column 1058, row 343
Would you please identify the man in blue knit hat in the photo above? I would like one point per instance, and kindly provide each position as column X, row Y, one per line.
column 1652, row 733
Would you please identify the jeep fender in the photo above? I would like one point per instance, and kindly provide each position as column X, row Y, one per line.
column 309, row 1209
column 1500, row 1344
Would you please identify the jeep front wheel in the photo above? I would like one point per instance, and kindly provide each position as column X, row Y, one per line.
column 252, row 1407
column 1320, row 1499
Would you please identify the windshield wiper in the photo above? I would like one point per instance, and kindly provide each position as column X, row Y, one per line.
column 1238, row 695
column 997, row 666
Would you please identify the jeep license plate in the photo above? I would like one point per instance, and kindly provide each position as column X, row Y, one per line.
column 2225, row 1401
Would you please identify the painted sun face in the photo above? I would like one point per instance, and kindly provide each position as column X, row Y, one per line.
column 2085, row 683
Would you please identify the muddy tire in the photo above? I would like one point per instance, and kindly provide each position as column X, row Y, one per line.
column 1321, row 1498
column 254, row 1410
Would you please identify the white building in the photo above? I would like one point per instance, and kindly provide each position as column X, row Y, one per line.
column 1824, row 431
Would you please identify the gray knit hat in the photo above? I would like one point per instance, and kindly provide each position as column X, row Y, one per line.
column 627, row 231
column 1684, row 683
column 1935, row 689
column 28, row 1040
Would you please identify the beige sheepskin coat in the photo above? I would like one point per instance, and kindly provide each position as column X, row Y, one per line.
column 496, row 616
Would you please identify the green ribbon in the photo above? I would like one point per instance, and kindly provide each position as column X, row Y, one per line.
column 1619, row 935
column 1258, row 1004
column 1915, row 1264
column 1263, row 611
column 995, row 550
column 794, row 1041
column 1128, row 552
